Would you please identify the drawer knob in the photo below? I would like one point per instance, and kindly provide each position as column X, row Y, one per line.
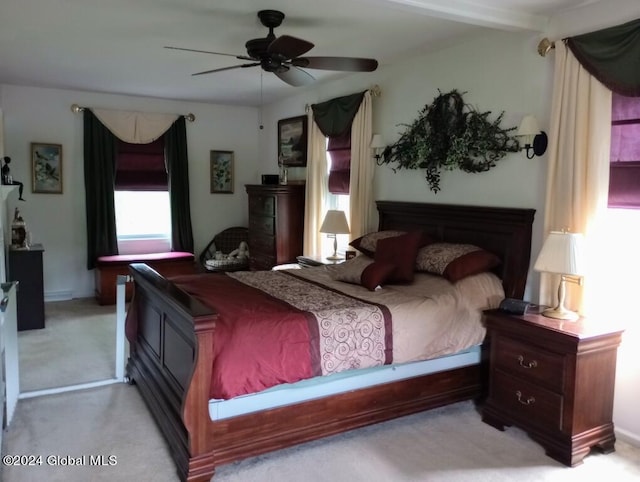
column 528, row 401
column 531, row 364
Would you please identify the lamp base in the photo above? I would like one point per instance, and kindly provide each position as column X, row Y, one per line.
column 561, row 314
column 334, row 257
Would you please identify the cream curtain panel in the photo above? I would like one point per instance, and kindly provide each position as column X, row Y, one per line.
column 578, row 175
column 135, row 127
column 361, row 203
column 316, row 187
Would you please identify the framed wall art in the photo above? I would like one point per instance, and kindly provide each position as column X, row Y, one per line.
column 46, row 168
column 221, row 175
column 292, row 141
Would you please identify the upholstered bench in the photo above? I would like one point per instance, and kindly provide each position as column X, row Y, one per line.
column 109, row 267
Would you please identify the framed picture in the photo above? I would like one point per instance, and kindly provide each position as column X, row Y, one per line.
column 46, row 168
column 292, row 141
column 221, row 175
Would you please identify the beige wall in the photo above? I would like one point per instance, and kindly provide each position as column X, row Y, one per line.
column 499, row 71
column 58, row 221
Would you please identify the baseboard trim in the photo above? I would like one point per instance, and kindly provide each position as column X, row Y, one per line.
column 69, row 388
column 58, row 296
column 629, row 437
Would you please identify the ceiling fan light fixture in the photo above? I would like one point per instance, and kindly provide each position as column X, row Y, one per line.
column 283, row 55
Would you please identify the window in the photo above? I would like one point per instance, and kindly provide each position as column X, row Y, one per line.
column 143, row 221
column 141, row 197
column 615, row 262
column 336, row 201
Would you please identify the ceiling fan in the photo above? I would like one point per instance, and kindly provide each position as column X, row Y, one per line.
column 282, row 55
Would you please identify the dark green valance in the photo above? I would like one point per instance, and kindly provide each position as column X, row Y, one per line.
column 612, row 56
column 334, row 117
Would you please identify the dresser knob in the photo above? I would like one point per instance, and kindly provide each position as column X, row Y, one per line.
column 531, row 364
column 528, row 401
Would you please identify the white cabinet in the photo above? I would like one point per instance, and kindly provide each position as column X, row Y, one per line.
column 9, row 371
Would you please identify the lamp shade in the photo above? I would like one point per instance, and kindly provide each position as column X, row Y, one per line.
column 376, row 142
column 335, row 222
column 561, row 253
column 528, row 126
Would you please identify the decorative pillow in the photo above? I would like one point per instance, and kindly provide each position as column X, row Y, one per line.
column 363, row 271
column 367, row 244
column 455, row 261
column 400, row 251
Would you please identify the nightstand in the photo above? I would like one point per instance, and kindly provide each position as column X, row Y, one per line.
column 310, row 261
column 555, row 380
column 25, row 266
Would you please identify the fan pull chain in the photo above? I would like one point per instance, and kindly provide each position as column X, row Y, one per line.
column 260, row 112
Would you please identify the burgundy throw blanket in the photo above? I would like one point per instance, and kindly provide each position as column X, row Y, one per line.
column 275, row 328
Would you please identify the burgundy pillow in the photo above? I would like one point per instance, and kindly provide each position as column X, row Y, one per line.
column 400, row 251
column 455, row 261
column 367, row 244
column 376, row 274
column 364, row 271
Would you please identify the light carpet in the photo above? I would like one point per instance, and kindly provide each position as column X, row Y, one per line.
column 447, row 444
column 76, row 346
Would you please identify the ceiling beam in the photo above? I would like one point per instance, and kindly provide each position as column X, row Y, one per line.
column 474, row 14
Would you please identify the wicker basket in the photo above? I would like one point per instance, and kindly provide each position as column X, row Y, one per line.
column 226, row 264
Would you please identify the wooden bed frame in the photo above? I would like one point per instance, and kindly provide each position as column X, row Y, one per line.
column 171, row 347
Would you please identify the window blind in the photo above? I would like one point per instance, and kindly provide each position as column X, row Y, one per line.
column 141, row 167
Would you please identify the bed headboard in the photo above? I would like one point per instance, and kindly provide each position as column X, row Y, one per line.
column 503, row 231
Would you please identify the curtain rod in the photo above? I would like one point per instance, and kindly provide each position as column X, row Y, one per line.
column 545, row 46
column 374, row 90
column 76, row 109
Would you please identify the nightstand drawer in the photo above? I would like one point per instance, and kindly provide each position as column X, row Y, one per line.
column 526, row 402
column 529, row 362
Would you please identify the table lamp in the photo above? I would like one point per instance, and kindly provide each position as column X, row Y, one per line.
column 335, row 222
column 561, row 254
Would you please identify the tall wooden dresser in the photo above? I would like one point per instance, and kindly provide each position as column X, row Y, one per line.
column 276, row 224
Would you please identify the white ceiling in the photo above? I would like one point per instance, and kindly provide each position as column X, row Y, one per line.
column 116, row 46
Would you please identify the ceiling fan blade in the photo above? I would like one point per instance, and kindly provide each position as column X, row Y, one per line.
column 241, row 66
column 289, row 47
column 241, row 57
column 296, row 77
column 347, row 64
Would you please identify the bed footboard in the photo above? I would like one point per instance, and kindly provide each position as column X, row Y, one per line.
column 169, row 333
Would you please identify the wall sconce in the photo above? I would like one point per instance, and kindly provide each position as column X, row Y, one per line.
column 534, row 140
column 378, row 146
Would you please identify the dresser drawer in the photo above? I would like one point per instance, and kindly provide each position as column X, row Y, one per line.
column 262, row 224
column 262, row 205
column 529, row 362
column 261, row 262
column 262, row 243
column 526, row 402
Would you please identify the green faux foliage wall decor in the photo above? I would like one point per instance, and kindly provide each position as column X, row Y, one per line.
column 450, row 134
